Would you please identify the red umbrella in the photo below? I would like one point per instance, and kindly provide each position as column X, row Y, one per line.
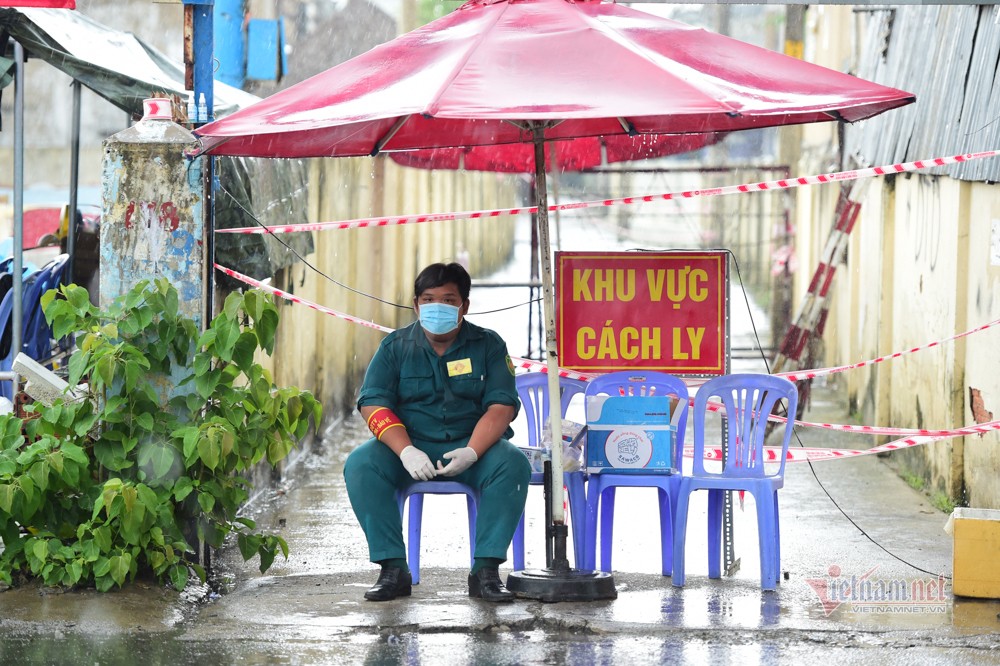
column 487, row 72
column 531, row 71
column 570, row 155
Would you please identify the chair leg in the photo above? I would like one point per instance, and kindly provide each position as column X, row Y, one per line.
column 666, row 532
column 715, row 502
column 766, row 532
column 590, row 542
column 577, row 510
column 518, row 545
column 413, row 535
column 777, row 541
column 473, row 517
column 680, row 535
column 607, row 527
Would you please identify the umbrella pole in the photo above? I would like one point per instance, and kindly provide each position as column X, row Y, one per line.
column 557, row 582
column 556, row 497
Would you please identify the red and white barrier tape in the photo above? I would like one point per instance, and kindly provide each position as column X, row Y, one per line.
column 538, row 366
column 295, row 299
column 518, row 362
column 819, row 372
column 772, row 453
column 787, row 183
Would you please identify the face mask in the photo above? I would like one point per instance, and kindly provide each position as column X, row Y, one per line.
column 438, row 318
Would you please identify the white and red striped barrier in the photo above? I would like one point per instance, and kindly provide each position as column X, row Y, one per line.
column 803, row 454
column 295, row 299
column 816, row 304
column 819, row 372
column 786, row 183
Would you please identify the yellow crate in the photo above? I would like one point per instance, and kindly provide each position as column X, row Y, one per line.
column 976, row 570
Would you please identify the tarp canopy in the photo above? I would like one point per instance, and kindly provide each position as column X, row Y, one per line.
column 117, row 65
column 58, row 4
column 124, row 70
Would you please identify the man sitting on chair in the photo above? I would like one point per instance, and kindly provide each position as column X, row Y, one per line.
column 439, row 396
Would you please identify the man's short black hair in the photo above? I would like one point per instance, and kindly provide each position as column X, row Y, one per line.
column 438, row 275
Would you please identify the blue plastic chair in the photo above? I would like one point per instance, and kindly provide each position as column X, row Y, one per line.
column 6, row 308
column 748, row 399
column 31, row 293
column 601, row 487
column 37, row 341
column 533, row 389
column 415, row 493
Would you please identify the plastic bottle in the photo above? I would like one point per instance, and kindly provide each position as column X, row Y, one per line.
column 192, row 110
column 202, row 109
column 573, row 455
column 573, row 440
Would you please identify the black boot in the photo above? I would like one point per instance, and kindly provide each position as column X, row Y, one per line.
column 486, row 585
column 392, row 582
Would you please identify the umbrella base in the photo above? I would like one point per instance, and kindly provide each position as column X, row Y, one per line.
column 550, row 585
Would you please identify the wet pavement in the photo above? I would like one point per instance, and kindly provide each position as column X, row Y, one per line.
column 309, row 609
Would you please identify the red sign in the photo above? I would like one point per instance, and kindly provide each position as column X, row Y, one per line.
column 663, row 311
column 54, row 4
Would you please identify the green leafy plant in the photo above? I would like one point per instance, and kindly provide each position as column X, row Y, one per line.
column 98, row 487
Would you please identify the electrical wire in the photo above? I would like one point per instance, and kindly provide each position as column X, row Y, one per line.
column 304, row 260
column 288, row 247
column 509, row 307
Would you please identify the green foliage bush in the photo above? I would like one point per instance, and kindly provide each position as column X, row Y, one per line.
column 96, row 489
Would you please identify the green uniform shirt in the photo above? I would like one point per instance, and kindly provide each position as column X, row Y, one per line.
column 440, row 398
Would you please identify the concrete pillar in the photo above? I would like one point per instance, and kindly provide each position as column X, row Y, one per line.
column 153, row 221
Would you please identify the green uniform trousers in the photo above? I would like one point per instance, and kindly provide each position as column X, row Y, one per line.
column 374, row 473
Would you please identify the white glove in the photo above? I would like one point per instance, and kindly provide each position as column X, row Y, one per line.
column 417, row 463
column 461, row 460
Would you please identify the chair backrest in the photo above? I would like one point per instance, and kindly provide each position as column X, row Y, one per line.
column 37, row 341
column 648, row 383
column 533, row 389
column 749, row 399
column 6, row 359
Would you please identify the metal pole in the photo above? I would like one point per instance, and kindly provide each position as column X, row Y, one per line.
column 532, row 291
column 199, row 60
column 16, row 314
column 74, row 181
column 546, row 487
column 558, row 526
column 209, row 270
column 201, row 14
column 555, row 194
column 730, row 563
column 204, row 83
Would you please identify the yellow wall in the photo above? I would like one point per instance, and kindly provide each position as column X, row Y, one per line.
column 977, row 354
column 917, row 270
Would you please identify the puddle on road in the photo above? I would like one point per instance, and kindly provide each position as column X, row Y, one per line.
column 460, row 649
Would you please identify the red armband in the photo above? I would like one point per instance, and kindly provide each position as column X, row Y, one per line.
column 381, row 420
